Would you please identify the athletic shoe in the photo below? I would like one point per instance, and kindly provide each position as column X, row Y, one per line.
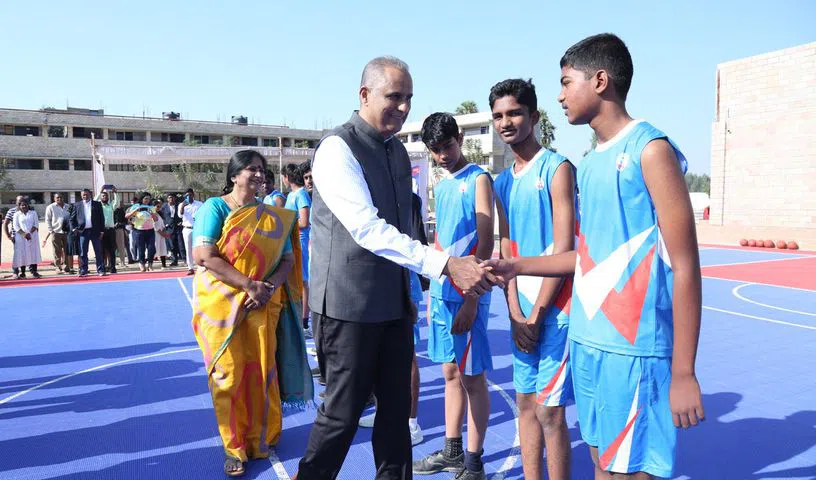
column 191, row 272
column 439, row 462
column 367, row 421
column 311, row 351
column 466, row 474
column 36, row 275
column 416, row 435
column 316, row 371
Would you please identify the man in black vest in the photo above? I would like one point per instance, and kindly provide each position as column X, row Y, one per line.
column 361, row 247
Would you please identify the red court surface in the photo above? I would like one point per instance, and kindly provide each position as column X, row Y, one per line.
column 793, row 272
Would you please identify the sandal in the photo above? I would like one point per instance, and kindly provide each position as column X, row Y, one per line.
column 233, row 467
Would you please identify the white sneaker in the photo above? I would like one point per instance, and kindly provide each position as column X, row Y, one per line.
column 368, row 421
column 311, row 351
column 416, row 435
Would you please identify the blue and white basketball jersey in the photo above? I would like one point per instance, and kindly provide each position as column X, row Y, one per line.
column 525, row 198
column 295, row 201
column 455, row 203
column 623, row 278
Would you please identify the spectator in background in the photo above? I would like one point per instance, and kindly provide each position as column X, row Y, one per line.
column 187, row 210
column 129, row 228
column 109, row 233
column 143, row 216
column 300, row 201
column 8, row 228
column 162, row 235
column 270, row 194
column 119, row 223
column 71, row 238
column 172, row 223
column 26, row 240
column 57, row 223
column 306, row 171
column 88, row 221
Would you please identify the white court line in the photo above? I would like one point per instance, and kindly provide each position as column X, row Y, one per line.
column 790, row 257
column 512, row 458
column 760, row 283
column 93, row 369
column 508, row 464
column 277, row 465
column 736, row 293
column 769, row 320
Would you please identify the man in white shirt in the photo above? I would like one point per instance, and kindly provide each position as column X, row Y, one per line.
column 56, row 220
column 186, row 211
column 359, row 288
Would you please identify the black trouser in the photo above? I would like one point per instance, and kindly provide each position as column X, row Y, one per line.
column 109, row 249
column 359, row 357
column 145, row 240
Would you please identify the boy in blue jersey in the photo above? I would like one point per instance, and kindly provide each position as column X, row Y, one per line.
column 536, row 208
column 457, row 335
column 635, row 318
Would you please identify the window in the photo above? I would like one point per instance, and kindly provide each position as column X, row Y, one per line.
column 24, row 164
column 270, row 142
column 118, row 167
column 485, row 130
column 128, row 136
column 485, row 160
column 6, row 129
column 205, row 139
column 84, row 165
column 55, row 131
column 167, row 137
column 57, row 164
column 85, row 132
column 36, row 198
column 249, row 141
column 403, row 138
column 415, row 137
column 469, row 132
column 23, row 131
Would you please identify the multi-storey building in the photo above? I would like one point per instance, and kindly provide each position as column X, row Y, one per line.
column 47, row 151
column 479, row 136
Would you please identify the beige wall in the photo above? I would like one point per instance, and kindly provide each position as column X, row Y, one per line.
column 763, row 148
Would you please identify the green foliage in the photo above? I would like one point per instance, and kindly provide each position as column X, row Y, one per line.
column 698, row 183
column 468, row 106
column 593, row 142
column 6, row 185
column 472, row 150
column 547, row 130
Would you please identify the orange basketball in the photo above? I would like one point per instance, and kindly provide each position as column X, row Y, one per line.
column 769, row 244
column 781, row 244
column 743, row 242
column 752, row 243
column 793, row 245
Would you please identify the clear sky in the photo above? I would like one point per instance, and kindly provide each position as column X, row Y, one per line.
column 299, row 62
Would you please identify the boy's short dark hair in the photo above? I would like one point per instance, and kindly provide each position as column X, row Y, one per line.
column 605, row 51
column 522, row 90
column 438, row 128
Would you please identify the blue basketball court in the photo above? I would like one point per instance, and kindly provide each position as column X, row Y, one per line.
column 103, row 380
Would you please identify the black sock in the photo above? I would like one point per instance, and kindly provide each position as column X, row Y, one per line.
column 453, row 447
column 306, row 323
column 473, row 461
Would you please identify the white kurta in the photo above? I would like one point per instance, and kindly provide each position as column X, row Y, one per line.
column 161, row 242
column 26, row 252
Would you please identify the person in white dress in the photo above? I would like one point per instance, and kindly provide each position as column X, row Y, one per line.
column 26, row 240
column 161, row 236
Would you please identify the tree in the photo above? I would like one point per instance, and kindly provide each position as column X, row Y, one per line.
column 547, row 130
column 472, row 150
column 468, row 106
column 593, row 142
column 698, row 183
column 6, row 185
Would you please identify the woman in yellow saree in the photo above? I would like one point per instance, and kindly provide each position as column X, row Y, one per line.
column 246, row 311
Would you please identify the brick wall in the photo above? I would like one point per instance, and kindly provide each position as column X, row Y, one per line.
column 763, row 148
